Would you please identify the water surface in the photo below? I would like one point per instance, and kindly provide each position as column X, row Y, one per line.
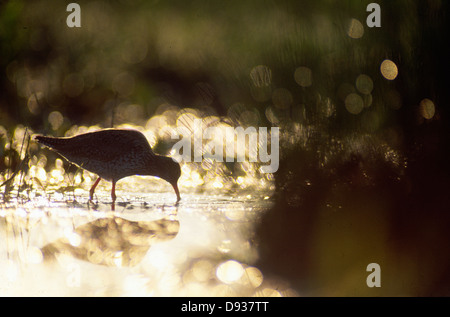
column 148, row 246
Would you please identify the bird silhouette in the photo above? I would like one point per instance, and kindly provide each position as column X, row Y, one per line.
column 113, row 154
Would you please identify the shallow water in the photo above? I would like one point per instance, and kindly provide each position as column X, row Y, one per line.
column 148, row 246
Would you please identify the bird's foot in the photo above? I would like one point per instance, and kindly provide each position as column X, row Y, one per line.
column 93, row 203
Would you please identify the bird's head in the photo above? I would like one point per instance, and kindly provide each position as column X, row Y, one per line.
column 170, row 171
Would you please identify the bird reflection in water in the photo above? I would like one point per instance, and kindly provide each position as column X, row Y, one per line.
column 113, row 241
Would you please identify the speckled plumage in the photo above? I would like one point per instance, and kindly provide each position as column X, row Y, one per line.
column 113, row 154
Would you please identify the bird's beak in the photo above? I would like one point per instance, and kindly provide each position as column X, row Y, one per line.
column 175, row 187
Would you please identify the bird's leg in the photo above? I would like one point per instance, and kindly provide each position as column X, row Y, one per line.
column 177, row 192
column 113, row 195
column 113, row 191
column 91, row 192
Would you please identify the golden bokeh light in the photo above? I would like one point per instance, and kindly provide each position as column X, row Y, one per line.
column 389, row 69
column 271, row 115
column 427, row 109
column 261, row 76
column 354, row 103
column 56, row 119
column 33, row 103
column 355, row 29
column 364, row 84
column 261, row 79
column 229, row 271
column 303, row 76
column 254, row 276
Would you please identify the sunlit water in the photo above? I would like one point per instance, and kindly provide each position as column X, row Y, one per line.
column 148, row 246
column 53, row 241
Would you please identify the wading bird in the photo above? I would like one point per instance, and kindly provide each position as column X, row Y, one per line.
column 113, row 154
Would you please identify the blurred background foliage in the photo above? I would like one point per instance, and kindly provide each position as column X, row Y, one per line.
column 197, row 54
column 364, row 166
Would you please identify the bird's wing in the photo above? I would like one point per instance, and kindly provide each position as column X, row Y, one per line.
column 103, row 146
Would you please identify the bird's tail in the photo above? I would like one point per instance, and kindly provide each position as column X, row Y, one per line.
column 48, row 141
